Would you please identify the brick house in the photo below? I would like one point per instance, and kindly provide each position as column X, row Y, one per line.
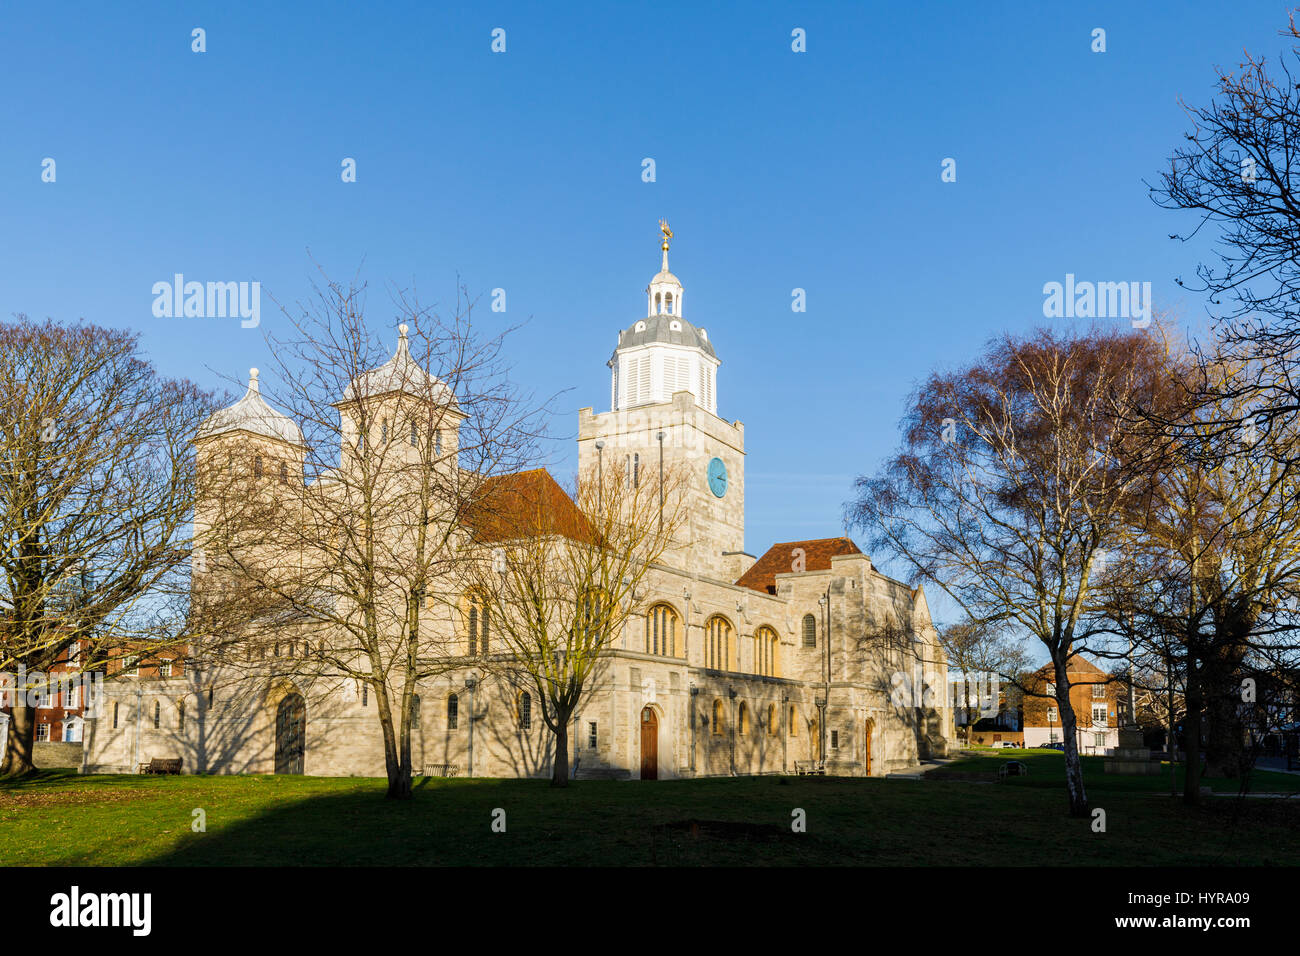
column 1094, row 696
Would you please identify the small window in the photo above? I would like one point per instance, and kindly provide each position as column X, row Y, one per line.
column 70, row 698
column 415, row 708
column 257, row 466
column 1051, row 714
column 771, row 720
column 718, row 720
column 1051, row 690
column 164, row 668
column 794, row 721
column 742, row 722
column 383, row 432
column 116, row 707
column 365, row 695
column 591, row 735
column 437, row 442
column 1099, row 691
column 180, row 715
column 835, row 740
column 131, row 666
column 415, row 435
column 809, row 631
column 453, row 712
column 157, row 714
column 525, row 711
column 209, row 696
column 284, row 473
column 42, row 733
column 636, row 471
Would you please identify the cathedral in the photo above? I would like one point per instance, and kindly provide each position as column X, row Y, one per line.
column 804, row 659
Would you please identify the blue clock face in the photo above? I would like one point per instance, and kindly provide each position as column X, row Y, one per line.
column 717, row 477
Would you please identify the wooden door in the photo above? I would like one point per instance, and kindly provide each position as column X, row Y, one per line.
column 649, row 744
column 290, row 734
column 867, row 759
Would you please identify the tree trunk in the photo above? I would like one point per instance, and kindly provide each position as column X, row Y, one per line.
column 560, row 766
column 1192, row 735
column 1078, row 796
column 19, row 756
column 399, row 777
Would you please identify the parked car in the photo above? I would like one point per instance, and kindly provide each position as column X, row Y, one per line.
column 1055, row 745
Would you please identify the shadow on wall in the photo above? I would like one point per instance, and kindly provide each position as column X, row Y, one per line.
column 213, row 726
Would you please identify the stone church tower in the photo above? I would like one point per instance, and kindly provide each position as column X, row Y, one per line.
column 664, row 409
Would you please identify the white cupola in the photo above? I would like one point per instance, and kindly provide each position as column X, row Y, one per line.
column 663, row 353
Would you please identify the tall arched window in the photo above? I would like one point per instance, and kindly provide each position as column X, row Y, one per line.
column 257, row 466
column 765, row 645
column 794, row 721
column 476, row 621
column 717, row 643
column 771, row 720
column 661, row 631
column 453, row 712
column 437, row 442
column 636, row 471
column 668, row 303
column 525, row 710
column 180, row 716
column 719, row 721
column 415, row 435
column 157, row 714
column 415, row 708
column 809, row 631
column 742, row 722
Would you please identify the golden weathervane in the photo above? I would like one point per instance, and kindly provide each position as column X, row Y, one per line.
column 668, row 233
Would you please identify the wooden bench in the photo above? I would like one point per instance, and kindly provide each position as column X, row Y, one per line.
column 805, row 767
column 161, row 765
column 440, row 770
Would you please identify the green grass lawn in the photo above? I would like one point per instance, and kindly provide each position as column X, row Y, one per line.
column 63, row 819
column 1047, row 769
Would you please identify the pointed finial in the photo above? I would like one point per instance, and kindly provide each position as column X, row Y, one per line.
column 252, row 381
column 403, row 329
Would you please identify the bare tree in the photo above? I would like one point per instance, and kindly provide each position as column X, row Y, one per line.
column 974, row 648
column 1012, row 479
column 346, row 536
column 96, row 499
column 560, row 576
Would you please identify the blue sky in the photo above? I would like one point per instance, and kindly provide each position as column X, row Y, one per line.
column 522, row 170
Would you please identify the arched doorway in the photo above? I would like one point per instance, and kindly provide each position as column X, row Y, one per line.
column 866, row 758
column 290, row 734
column 649, row 744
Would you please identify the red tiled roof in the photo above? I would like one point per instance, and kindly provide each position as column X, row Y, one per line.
column 525, row 504
column 781, row 558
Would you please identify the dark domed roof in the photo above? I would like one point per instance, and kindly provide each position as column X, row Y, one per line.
column 672, row 329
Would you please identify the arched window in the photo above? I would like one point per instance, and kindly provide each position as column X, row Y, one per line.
column 794, row 721
column 157, row 714
column 437, row 442
column 453, row 712
column 477, row 618
column 659, row 302
column 636, row 471
column 742, row 722
column 180, row 715
column 415, row 708
column 661, row 631
column 717, row 643
column 525, row 710
column 765, row 645
column 383, row 432
column 415, row 435
column 284, row 473
column 771, row 720
column 809, row 631
column 719, row 722
column 668, row 303
column 257, row 466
